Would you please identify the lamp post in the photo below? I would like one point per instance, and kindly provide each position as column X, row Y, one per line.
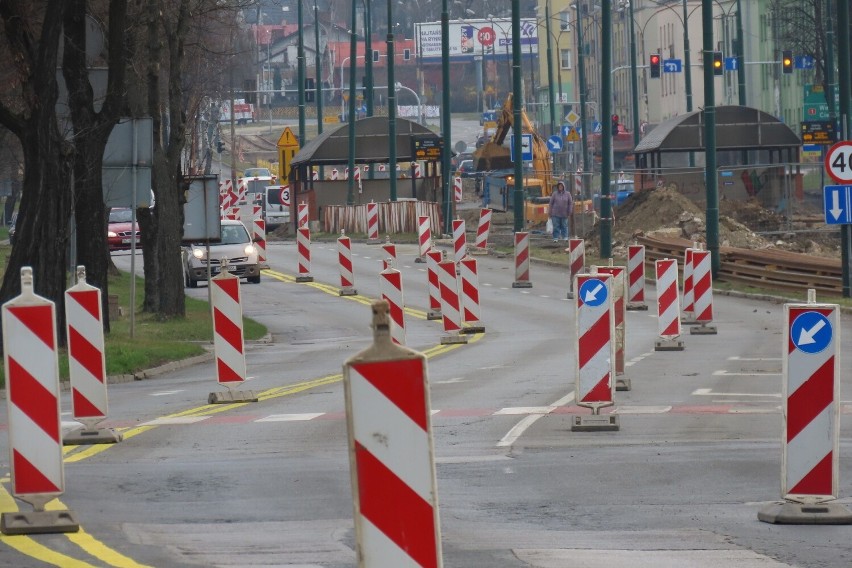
column 300, row 56
column 550, row 91
column 445, row 115
column 606, row 131
column 318, row 64
column 581, row 72
column 368, row 57
column 391, row 107
column 516, row 113
column 353, row 47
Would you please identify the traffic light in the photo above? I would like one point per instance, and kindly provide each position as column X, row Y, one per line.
column 718, row 63
column 787, row 61
column 309, row 90
column 614, row 124
column 655, row 65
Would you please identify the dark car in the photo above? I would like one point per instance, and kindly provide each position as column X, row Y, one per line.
column 121, row 231
column 467, row 169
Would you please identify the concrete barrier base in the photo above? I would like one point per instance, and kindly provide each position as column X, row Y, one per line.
column 522, row 284
column 637, row 307
column 304, row 278
column 453, row 339
column 787, row 513
column 38, row 522
column 433, row 315
column 225, row 397
column 622, row 384
column 348, row 291
column 82, row 436
column 668, row 345
column 703, row 329
column 595, row 423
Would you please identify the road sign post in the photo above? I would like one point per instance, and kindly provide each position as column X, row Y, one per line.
column 811, row 446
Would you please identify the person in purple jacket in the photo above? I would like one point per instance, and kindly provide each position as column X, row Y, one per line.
column 559, row 209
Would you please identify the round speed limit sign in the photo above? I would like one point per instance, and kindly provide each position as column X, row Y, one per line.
column 284, row 195
column 838, row 162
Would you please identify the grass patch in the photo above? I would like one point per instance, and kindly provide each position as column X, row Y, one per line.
column 155, row 341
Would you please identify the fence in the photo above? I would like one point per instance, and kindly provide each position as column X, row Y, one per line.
column 394, row 217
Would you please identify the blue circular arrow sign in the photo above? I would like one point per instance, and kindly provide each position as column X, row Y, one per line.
column 811, row 332
column 554, row 143
column 593, row 292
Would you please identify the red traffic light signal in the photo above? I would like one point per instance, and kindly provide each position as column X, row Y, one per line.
column 718, row 63
column 654, row 64
column 787, row 61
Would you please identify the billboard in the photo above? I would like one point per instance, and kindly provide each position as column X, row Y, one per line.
column 475, row 38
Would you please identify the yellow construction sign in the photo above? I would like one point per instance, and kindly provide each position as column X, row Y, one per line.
column 572, row 136
column 288, row 145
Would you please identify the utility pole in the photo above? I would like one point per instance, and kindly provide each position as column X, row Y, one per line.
column 634, row 78
column 318, row 62
column 606, row 130
column 353, row 47
column 843, row 74
column 517, row 138
column 445, row 117
column 710, row 181
column 581, row 78
column 741, row 82
column 391, row 107
column 550, row 90
column 300, row 56
column 368, row 57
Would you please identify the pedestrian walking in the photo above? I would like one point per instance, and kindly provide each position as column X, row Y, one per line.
column 561, row 204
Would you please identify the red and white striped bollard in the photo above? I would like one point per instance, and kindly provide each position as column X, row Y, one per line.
column 390, row 288
column 483, row 229
column 688, row 303
column 702, row 288
column 668, row 306
column 522, row 260
column 303, row 244
column 576, row 262
column 459, row 240
column 457, row 189
column 636, row 277
column 301, row 215
column 471, row 308
column 87, row 364
column 391, row 453
column 424, row 237
column 344, row 259
column 259, row 237
column 32, row 396
column 372, row 222
column 450, row 303
column 433, row 257
column 595, row 350
column 618, row 288
column 389, row 254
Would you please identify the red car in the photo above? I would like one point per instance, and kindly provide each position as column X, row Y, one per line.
column 120, row 231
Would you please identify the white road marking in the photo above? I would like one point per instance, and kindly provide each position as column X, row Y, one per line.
column 175, row 420
column 735, row 358
column 641, row 409
column 723, row 373
column 709, row 392
column 449, row 381
column 518, row 429
column 290, row 417
column 165, row 393
column 516, row 410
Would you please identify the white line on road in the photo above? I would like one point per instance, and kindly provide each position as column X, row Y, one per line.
column 735, row 358
column 518, row 429
column 290, row 417
column 723, row 373
column 165, row 393
column 709, row 392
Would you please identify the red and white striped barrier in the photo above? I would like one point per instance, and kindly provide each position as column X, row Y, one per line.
column 450, row 302
column 595, row 350
column 481, row 244
column 373, row 221
column 668, row 305
column 344, row 258
column 457, row 189
column 242, row 188
column 688, row 303
column 228, row 329
column 335, row 174
column 415, row 170
column 86, row 363
column 433, row 257
column 578, row 182
column 636, row 277
column 471, row 308
column 618, row 288
column 810, row 462
column 702, row 288
column 235, row 214
column 459, row 240
column 389, row 254
column 32, row 395
column 522, row 261
column 259, row 237
column 424, row 237
column 576, row 262
column 303, row 244
column 301, row 215
column 391, row 453
column 390, row 288
column 346, row 173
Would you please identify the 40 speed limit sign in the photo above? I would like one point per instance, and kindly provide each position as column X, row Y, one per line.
column 838, row 162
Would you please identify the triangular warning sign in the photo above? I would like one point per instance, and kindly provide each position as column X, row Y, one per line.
column 573, row 136
column 288, row 139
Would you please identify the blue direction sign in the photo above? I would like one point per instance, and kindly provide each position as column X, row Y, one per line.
column 730, row 64
column 593, row 292
column 526, row 148
column 672, row 66
column 804, row 62
column 811, row 332
column 566, row 128
column 554, row 143
column 837, row 202
column 596, row 127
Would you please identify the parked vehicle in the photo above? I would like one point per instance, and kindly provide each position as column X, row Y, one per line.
column 619, row 191
column 235, row 246
column 467, row 169
column 121, row 232
column 276, row 205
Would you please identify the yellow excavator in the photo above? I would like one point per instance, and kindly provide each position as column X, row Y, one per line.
column 539, row 182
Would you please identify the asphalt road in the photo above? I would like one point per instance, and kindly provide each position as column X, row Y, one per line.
column 267, row 484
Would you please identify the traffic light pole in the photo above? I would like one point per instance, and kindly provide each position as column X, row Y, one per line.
column 607, row 130
column 843, row 75
column 710, row 180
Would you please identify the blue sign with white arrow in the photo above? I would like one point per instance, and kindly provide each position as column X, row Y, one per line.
column 593, row 292
column 672, row 66
column 811, row 332
column 731, row 64
column 804, row 62
column 554, row 143
column 837, row 201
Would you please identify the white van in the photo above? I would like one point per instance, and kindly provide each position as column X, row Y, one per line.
column 275, row 200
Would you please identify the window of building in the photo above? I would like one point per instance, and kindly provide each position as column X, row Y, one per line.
column 565, row 59
column 565, row 21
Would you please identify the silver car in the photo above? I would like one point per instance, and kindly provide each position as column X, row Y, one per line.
column 236, row 247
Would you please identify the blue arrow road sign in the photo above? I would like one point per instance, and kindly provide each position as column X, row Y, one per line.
column 566, row 129
column 593, row 292
column 804, row 62
column 730, row 64
column 554, row 143
column 672, row 66
column 837, row 201
column 811, row 332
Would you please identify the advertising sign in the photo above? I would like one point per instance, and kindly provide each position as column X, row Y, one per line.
column 471, row 38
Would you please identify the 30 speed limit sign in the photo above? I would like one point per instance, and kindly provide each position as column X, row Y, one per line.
column 838, row 162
